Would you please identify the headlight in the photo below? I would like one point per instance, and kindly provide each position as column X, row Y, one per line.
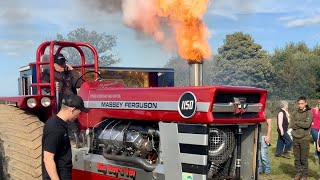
column 45, row 101
column 31, row 102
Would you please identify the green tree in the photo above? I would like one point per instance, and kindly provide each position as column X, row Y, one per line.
column 241, row 46
column 103, row 43
column 297, row 68
column 316, row 50
column 181, row 71
column 251, row 68
column 246, row 72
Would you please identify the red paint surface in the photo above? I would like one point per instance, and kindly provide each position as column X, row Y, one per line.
column 160, row 94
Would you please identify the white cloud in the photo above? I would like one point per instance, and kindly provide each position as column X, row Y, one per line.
column 316, row 36
column 15, row 47
column 212, row 31
column 13, row 54
column 14, row 14
column 224, row 13
column 294, row 13
column 21, row 21
column 232, row 8
column 59, row 17
column 286, row 18
column 303, row 22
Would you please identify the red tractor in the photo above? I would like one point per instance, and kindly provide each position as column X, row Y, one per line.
column 145, row 133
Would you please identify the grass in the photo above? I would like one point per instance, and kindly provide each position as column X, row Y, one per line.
column 283, row 169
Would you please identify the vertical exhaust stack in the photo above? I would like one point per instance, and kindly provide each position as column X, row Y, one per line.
column 195, row 73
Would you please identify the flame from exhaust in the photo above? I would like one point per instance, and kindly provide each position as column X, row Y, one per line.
column 186, row 20
column 182, row 17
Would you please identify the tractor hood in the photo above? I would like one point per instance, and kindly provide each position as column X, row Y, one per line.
column 199, row 104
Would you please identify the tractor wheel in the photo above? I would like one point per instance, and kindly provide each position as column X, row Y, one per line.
column 20, row 144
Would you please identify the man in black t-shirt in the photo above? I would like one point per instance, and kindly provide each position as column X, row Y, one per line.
column 56, row 148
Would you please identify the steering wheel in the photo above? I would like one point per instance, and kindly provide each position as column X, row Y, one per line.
column 81, row 77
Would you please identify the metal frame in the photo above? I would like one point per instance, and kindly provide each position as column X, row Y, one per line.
column 61, row 44
column 229, row 107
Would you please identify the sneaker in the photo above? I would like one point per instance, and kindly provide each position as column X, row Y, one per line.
column 297, row 177
column 286, row 155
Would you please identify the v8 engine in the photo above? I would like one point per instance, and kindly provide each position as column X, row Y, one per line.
column 129, row 142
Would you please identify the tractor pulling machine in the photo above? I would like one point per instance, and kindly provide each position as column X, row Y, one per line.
column 151, row 133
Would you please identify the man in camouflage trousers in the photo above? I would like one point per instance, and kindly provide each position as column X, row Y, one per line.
column 301, row 121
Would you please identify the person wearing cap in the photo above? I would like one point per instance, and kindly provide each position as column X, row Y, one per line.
column 64, row 74
column 56, row 148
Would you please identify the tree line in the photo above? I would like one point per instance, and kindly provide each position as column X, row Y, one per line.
column 288, row 73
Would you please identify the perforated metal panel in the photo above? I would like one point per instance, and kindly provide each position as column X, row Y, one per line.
column 221, row 144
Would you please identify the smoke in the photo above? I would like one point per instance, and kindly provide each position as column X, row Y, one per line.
column 142, row 16
column 139, row 15
column 107, row 6
column 14, row 13
column 164, row 21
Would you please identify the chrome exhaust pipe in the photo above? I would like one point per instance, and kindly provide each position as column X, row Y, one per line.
column 195, row 73
column 130, row 159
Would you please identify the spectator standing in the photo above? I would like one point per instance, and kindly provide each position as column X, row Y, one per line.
column 300, row 123
column 284, row 142
column 264, row 162
column 316, row 127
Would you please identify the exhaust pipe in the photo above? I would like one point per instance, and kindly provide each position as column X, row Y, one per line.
column 134, row 159
column 195, row 73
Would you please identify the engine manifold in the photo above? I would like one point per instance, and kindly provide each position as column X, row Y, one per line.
column 128, row 142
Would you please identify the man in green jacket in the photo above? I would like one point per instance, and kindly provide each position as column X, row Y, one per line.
column 301, row 120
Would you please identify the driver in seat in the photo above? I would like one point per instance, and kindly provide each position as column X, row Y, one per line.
column 65, row 75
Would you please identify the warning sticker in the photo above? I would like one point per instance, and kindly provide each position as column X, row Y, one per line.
column 187, row 176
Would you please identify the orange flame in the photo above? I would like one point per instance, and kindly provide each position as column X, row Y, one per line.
column 182, row 17
column 185, row 17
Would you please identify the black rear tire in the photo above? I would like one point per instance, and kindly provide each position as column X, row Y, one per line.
column 20, row 143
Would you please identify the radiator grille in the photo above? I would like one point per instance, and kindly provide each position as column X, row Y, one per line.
column 225, row 97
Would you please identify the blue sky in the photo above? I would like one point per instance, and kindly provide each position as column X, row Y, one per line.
column 25, row 24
